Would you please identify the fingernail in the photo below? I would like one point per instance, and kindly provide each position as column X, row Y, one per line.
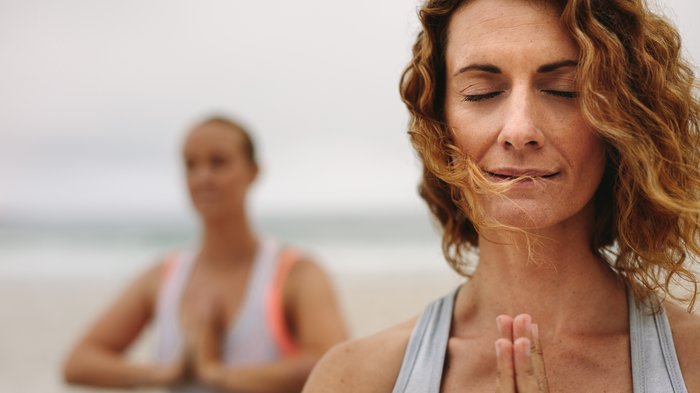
column 498, row 350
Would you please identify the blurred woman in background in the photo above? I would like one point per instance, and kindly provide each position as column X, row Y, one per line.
column 560, row 140
column 242, row 313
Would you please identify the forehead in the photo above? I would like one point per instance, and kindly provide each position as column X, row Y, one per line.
column 213, row 135
column 482, row 28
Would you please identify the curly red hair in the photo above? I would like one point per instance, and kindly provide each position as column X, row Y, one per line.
column 637, row 92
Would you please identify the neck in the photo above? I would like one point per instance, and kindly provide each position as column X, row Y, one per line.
column 227, row 240
column 552, row 275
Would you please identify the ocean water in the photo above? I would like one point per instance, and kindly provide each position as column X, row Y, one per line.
column 360, row 244
column 55, row 278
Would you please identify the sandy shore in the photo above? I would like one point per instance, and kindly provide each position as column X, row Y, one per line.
column 42, row 318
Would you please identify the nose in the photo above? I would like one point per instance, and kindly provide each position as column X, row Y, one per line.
column 520, row 124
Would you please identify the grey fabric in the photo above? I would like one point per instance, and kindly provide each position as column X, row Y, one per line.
column 249, row 339
column 421, row 369
column 655, row 367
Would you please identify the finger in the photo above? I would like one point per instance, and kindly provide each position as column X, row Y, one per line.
column 208, row 346
column 504, row 365
column 205, row 308
column 525, row 377
column 505, row 326
column 528, row 377
column 522, row 326
column 538, row 359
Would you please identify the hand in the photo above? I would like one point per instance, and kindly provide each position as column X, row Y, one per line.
column 170, row 374
column 203, row 332
column 519, row 356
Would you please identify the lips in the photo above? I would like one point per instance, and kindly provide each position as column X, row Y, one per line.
column 515, row 173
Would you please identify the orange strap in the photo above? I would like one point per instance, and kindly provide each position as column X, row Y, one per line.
column 275, row 304
column 169, row 265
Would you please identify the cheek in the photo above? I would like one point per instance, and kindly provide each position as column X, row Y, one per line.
column 589, row 155
column 472, row 134
column 189, row 180
column 236, row 179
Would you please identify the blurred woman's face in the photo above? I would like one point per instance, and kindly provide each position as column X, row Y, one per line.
column 218, row 171
column 511, row 101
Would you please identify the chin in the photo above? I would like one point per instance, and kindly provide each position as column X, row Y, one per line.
column 534, row 215
column 527, row 215
column 208, row 211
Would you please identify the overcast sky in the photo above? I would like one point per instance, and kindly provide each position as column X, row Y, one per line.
column 95, row 97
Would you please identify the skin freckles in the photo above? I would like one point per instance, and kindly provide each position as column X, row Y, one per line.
column 511, row 103
column 542, row 311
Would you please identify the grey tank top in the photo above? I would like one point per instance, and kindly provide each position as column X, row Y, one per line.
column 655, row 367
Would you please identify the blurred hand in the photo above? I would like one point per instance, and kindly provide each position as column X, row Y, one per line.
column 203, row 331
column 519, row 356
column 171, row 374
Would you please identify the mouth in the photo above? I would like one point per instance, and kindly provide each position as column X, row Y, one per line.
column 515, row 174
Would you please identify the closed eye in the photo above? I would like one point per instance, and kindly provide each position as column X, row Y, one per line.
column 481, row 97
column 563, row 94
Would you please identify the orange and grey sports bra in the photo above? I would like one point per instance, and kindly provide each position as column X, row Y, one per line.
column 259, row 333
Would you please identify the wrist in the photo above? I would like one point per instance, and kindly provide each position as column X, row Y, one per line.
column 210, row 374
column 164, row 375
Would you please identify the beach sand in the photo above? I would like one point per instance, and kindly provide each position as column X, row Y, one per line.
column 42, row 318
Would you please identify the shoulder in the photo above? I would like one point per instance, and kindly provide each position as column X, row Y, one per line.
column 370, row 364
column 305, row 266
column 163, row 268
column 685, row 328
column 304, row 274
column 148, row 283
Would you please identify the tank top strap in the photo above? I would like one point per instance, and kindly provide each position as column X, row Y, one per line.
column 423, row 362
column 274, row 303
column 655, row 367
column 263, row 269
column 176, row 270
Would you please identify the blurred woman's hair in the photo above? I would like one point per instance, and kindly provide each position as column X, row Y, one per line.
column 637, row 92
column 248, row 144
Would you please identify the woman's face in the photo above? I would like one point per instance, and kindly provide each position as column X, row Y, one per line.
column 511, row 101
column 218, row 171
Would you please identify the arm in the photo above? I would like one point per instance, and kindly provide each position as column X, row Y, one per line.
column 97, row 359
column 368, row 365
column 316, row 323
column 312, row 309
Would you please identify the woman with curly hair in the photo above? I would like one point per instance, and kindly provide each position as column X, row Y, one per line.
column 560, row 144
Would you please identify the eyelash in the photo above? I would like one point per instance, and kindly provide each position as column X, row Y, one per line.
column 556, row 93
column 481, row 97
column 563, row 94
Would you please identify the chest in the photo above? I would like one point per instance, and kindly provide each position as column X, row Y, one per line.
column 589, row 366
column 220, row 292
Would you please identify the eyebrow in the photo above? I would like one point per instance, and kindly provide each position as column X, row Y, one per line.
column 543, row 69
column 479, row 67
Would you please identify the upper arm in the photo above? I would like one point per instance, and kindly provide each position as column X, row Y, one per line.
column 312, row 309
column 369, row 365
column 119, row 325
